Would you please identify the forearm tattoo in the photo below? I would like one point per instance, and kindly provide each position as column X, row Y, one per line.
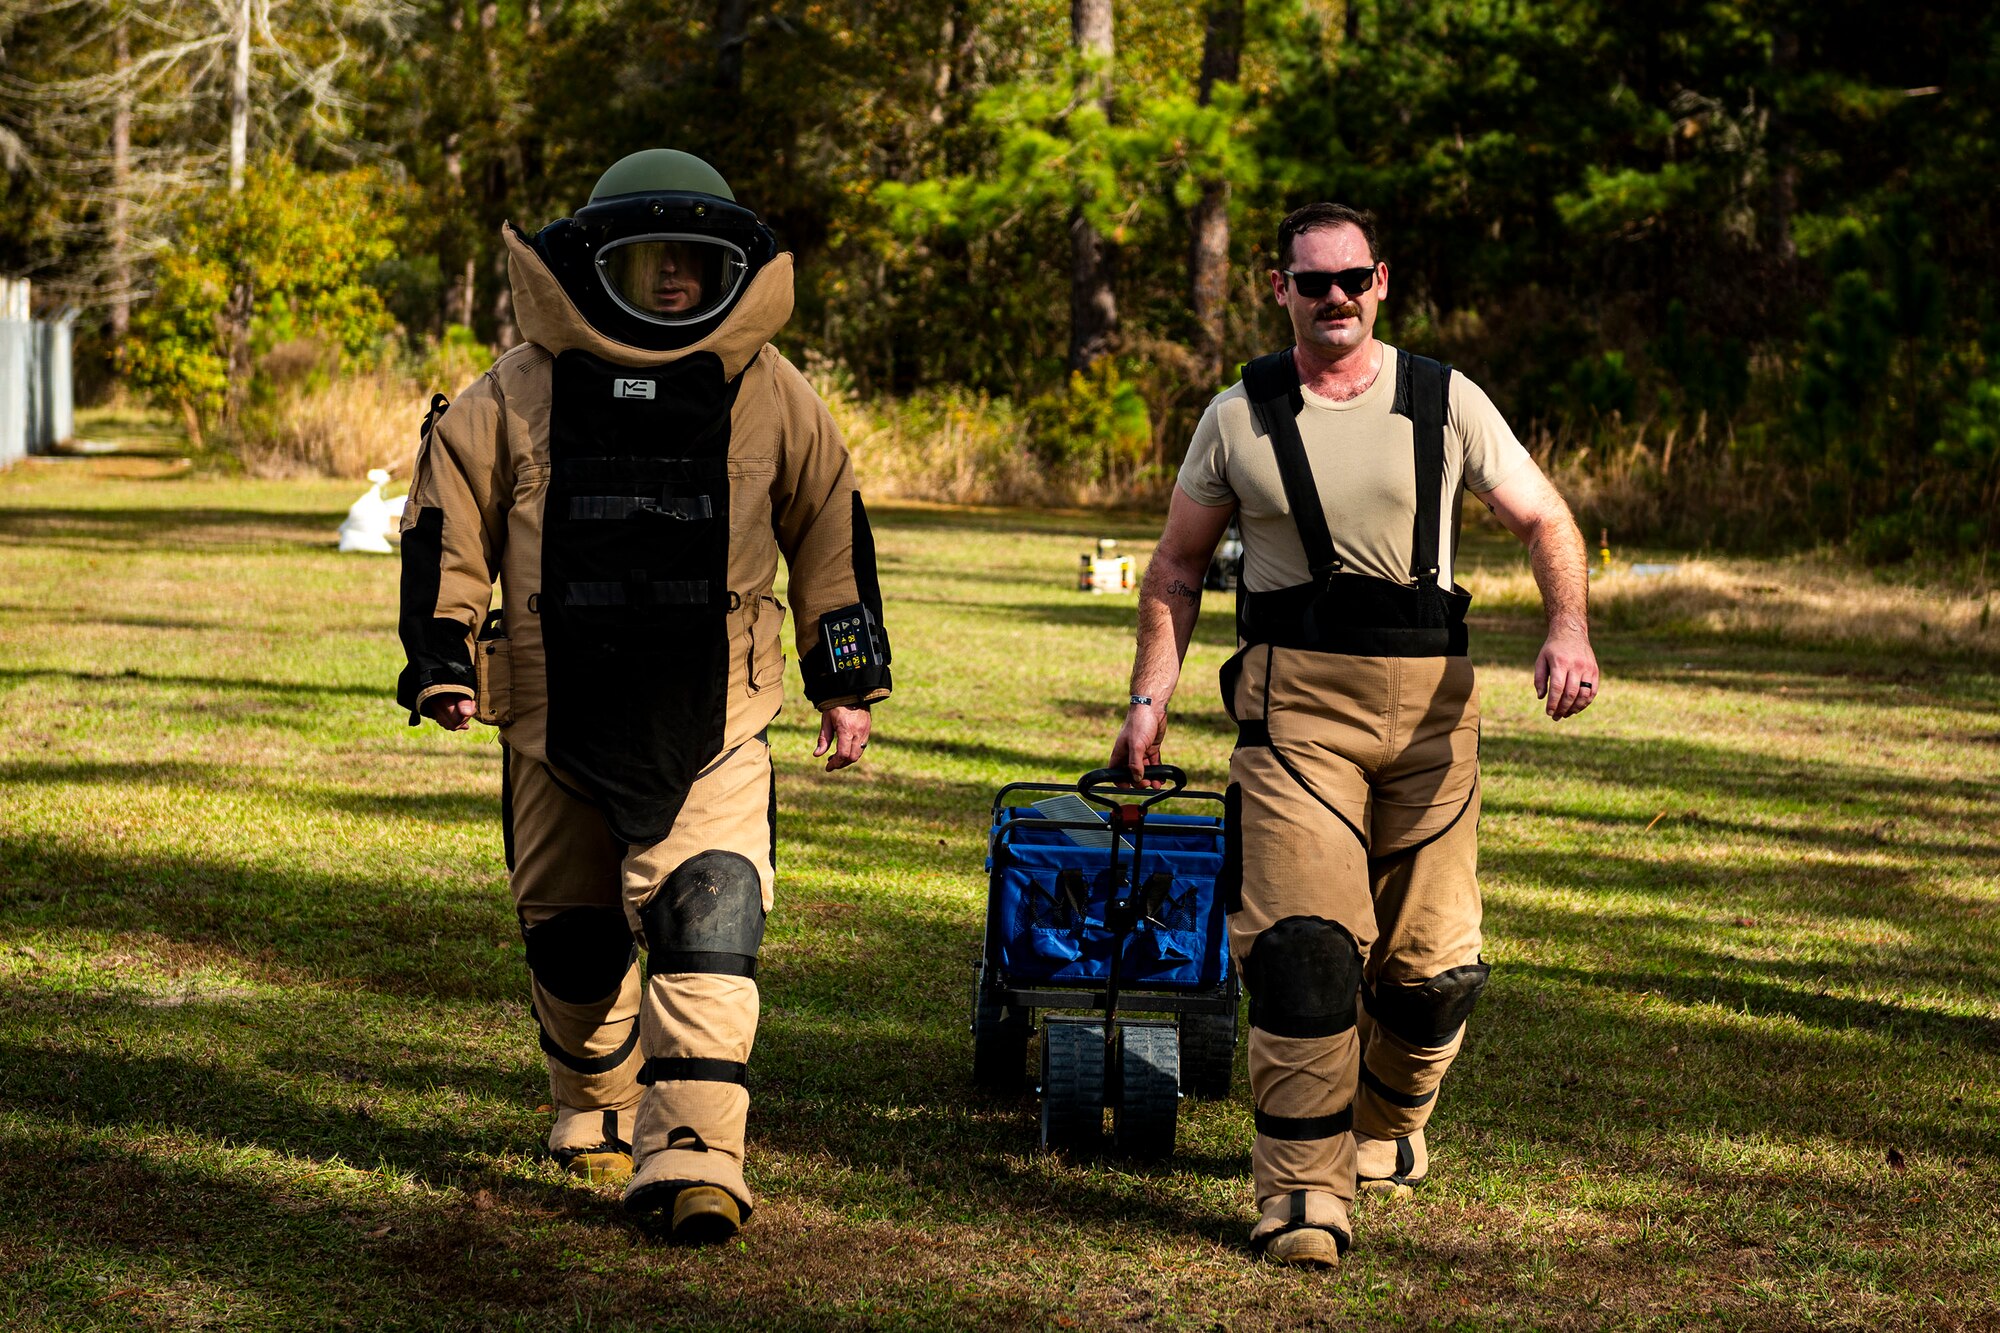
column 1180, row 589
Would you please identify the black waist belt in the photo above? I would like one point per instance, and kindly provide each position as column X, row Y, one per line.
column 1354, row 613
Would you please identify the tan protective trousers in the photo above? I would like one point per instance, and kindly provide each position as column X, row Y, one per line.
column 1361, row 810
column 562, row 857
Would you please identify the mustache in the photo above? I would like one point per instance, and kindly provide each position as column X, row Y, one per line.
column 1345, row 310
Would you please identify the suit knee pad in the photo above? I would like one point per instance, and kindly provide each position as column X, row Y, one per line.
column 1428, row 1013
column 707, row 917
column 1304, row 974
column 581, row 955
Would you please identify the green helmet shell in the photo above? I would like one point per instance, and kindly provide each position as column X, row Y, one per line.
column 660, row 171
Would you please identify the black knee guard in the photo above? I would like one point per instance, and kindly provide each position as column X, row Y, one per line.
column 707, row 917
column 1428, row 1013
column 581, row 955
column 1304, row 974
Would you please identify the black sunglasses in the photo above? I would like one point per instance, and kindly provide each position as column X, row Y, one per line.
column 1313, row 285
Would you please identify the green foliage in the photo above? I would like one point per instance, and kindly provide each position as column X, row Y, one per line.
column 287, row 258
column 1709, row 375
column 1615, row 203
column 1097, row 427
column 1599, row 387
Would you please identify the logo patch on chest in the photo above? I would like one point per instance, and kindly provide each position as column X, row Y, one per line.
column 632, row 388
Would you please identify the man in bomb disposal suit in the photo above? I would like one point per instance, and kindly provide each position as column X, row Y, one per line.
column 1353, row 799
column 630, row 476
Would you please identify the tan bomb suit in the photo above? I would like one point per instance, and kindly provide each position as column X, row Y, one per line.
column 1354, row 787
column 633, row 504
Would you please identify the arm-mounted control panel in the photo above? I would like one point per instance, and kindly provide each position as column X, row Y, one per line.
column 853, row 640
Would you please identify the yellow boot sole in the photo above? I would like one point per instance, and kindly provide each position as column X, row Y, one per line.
column 600, row 1168
column 1384, row 1191
column 704, row 1214
column 1308, row 1247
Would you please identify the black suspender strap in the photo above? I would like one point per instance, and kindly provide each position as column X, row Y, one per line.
column 1429, row 383
column 1272, row 383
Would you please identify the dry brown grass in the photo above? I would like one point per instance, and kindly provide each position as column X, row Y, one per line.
column 323, row 422
column 951, row 446
column 958, row 448
column 341, row 428
column 1799, row 602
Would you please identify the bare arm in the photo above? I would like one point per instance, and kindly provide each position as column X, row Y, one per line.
column 1169, row 605
column 1566, row 673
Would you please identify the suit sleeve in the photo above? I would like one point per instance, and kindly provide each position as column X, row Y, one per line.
column 822, row 528
column 454, row 524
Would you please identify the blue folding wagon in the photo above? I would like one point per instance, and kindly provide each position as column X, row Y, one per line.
column 1110, row 913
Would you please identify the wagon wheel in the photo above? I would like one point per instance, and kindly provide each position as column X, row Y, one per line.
column 1142, row 1120
column 999, row 1042
column 1072, row 1084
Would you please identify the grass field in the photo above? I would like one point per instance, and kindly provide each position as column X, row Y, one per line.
column 266, row 1060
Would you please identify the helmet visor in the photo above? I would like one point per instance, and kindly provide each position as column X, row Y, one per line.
column 672, row 278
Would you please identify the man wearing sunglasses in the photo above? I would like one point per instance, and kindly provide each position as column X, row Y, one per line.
column 1353, row 801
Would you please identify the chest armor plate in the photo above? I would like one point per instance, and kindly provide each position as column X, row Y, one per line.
column 635, row 596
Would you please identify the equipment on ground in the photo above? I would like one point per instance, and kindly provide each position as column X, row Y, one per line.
column 1077, row 919
column 1106, row 571
column 371, row 519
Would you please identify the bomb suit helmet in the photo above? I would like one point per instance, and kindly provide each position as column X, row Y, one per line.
column 660, row 254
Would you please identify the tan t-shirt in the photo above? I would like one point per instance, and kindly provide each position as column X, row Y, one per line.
column 1365, row 467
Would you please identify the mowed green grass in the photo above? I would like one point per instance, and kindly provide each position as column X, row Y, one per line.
column 266, row 1060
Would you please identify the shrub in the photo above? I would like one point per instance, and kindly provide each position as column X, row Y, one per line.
column 283, row 260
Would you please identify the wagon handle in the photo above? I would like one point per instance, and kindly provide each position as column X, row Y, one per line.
column 1088, row 785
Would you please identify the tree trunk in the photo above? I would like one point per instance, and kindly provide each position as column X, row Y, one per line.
column 732, row 30
column 460, row 299
column 236, row 316
column 121, row 188
column 1093, row 302
column 944, row 76
column 505, row 332
column 1208, row 256
column 1784, row 170
column 239, row 100
column 468, row 292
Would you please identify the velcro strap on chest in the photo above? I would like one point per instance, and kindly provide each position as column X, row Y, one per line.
column 687, row 508
column 639, row 592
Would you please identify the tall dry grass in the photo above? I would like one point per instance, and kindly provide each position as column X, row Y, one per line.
column 1805, row 601
column 953, row 446
column 1676, row 482
column 312, row 418
column 947, row 445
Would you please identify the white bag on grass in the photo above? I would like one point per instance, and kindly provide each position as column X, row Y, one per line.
column 371, row 519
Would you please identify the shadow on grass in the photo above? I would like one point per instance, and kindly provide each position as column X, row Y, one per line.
column 137, row 528
column 230, row 684
column 509, row 1254
column 65, row 616
column 1721, row 784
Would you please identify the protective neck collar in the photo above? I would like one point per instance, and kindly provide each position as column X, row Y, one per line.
column 550, row 319
column 570, row 249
